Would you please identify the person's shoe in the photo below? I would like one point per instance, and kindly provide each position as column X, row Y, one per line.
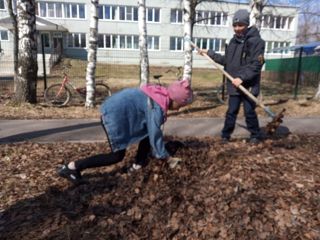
column 73, row 176
column 131, row 169
column 254, row 140
column 225, row 140
column 135, row 167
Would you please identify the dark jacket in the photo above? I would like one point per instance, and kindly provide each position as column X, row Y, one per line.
column 244, row 59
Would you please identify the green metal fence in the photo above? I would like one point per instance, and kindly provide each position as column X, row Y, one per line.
column 299, row 75
column 308, row 64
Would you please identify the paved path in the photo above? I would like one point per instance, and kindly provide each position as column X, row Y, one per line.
column 90, row 130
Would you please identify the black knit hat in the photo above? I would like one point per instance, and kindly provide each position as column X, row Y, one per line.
column 241, row 16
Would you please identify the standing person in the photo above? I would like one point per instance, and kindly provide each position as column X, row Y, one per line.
column 243, row 60
column 133, row 115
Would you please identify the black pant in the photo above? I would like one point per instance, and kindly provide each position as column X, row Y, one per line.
column 114, row 157
column 249, row 112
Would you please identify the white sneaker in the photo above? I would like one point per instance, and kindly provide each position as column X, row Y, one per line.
column 135, row 167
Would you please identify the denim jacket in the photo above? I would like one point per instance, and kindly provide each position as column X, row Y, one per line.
column 130, row 116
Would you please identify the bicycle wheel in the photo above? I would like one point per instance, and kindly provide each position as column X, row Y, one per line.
column 56, row 96
column 102, row 91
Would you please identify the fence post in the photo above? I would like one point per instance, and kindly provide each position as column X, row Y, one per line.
column 298, row 73
column 44, row 62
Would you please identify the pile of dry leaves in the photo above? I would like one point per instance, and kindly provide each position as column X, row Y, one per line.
column 233, row 191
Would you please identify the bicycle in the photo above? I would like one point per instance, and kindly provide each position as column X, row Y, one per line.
column 60, row 94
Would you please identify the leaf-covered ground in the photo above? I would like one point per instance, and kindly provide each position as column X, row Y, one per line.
column 233, row 191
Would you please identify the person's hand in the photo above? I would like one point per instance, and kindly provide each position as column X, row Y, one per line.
column 173, row 161
column 237, row 82
column 202, row 51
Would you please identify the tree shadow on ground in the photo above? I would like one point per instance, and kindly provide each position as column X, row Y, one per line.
column 45, row 215
column 72, row 213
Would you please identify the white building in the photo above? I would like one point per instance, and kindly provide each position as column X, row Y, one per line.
column 64, row 25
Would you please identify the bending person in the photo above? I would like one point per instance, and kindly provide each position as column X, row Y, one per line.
column 130, row 116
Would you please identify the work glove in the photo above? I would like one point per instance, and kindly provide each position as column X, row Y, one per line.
column 173, row 161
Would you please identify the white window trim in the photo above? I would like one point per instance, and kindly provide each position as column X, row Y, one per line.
column 282, row 19
column 63, row 7
column 176, row 39
column 153, row 14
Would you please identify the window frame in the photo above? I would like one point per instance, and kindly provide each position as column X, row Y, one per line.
column 77, row 40
column 6, row 33
column 69, row 10
column 47, row 34
column 3, row 5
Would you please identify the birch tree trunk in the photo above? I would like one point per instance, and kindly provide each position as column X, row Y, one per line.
column 92, row 55
column 13, row 16
column 188, row 23
column 26, row 81
column 317, row 96
column 143, row 44
column 256, row 12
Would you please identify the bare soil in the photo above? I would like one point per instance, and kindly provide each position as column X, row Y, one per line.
column 234, row 191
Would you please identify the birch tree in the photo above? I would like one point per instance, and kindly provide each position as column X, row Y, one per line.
column 27, row 66
column 143, row 44
column 317, row 95
column 256, row 12
column 13, row 16
column 188, row 17
column 92, row 55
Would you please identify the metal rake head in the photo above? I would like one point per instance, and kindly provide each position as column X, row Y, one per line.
column 275, row 123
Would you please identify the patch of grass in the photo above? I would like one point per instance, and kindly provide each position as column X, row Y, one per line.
column 120, row 76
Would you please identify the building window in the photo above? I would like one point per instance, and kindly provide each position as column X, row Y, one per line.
column 4, row 35
column 51, row 10
column 277, row 22
column 153, row 15
column 43, row 9
column 211, row 18
column 2, row 4
column 176, row 16
column 176, row 43
column 216, row 44
column 153, row 42
column 129, row 42
column 121, row 13
column 77, row 40
column 46, row 40
column 82, row 13
column 58, row 10
column 61, row 10
column 275, row 44
column 101, row 41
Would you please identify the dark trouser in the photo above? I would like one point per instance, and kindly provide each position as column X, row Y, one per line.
column 101, row 160
column 249, row 112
